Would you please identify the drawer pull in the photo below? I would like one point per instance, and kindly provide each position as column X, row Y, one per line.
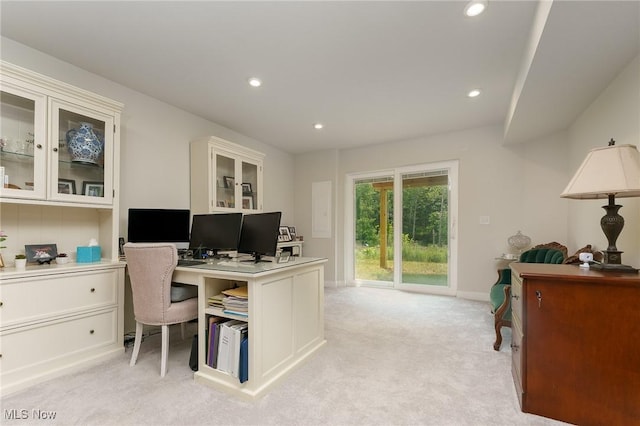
column 1, row 303
column 515, row 296
column 515, row 348
column 91, row 331
column 93, row 290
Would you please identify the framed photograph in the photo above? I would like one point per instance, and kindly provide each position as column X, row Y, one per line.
column 41, row 253
column 247, row 203
column 246, row 188
column 93, row 189
column 222, row 204
column 284, row 234
column 292, row 232
column 229, row 181
column 66, row 186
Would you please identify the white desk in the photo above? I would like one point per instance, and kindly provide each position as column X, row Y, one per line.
column 286, row 317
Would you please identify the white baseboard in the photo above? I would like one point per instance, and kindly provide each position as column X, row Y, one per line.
column 473, row 295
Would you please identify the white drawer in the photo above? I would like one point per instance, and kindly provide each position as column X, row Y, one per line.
column 33, row 299
column 45, row 346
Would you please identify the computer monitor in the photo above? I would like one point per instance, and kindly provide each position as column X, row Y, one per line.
column 159, row 226
column 214, row 232
column 259, row 235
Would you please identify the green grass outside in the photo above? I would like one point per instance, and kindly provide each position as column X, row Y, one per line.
column 418, row 270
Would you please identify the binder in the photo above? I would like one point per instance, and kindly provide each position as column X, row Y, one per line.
column 234, row 366
column 212, row 343
column 243, row 375
column 225, row 346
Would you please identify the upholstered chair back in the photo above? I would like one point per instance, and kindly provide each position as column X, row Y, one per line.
column 542, row 255
column 150, row 267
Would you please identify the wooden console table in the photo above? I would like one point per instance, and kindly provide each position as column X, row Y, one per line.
column 576, row 343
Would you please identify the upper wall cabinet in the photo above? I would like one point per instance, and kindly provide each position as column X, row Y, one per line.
column 225, row 177
column 58, row 142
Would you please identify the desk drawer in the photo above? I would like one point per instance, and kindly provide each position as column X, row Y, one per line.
column 42, row 346
column 33, row 299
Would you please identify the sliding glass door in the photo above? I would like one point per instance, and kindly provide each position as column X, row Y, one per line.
column 425, row 218
column 404, row 228
column 373, row 240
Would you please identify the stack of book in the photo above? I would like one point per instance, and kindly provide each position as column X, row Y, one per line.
column 236, row 301
column 227, row 347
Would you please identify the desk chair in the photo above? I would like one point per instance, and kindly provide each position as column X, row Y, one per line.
column 150, row 270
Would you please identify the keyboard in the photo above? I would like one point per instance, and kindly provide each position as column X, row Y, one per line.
column 190, row 262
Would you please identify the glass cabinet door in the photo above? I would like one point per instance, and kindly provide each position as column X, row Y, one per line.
column 250, row 186
column 225, row 196
column 22, row 143
column 82, row 151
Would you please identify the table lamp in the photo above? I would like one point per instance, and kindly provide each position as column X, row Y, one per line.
column 608, row 172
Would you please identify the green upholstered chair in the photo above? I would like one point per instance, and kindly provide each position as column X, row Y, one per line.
column 500, row 293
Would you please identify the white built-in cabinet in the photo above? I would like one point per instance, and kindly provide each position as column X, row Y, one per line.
column 57, row 317
column 225, row 177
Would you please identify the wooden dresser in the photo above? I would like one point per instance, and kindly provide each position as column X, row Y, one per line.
column 576, row 343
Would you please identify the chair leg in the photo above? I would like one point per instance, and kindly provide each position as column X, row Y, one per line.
column 165, row 350
column 136, row 344
column 498, row 342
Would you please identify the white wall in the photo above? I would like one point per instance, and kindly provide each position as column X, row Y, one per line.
column 614, row 114
column 309, row 168
column 154, row 170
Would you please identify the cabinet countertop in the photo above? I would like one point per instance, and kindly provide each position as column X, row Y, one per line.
column 572, row 273
column 53, row 268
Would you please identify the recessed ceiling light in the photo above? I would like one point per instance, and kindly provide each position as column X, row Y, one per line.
column 255, row 82
column 475, row 8
column 474, row 93
column 318, row 126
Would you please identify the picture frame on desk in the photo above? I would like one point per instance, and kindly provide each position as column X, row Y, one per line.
column 292, row 232
column 41, row 253
column 284, row 236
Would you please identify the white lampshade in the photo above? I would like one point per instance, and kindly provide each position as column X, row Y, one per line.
column 609, row 170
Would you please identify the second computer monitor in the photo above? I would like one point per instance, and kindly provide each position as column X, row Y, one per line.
column 259, row 236
column 214, row 233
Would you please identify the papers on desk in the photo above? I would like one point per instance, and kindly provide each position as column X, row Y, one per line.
column 236, row 301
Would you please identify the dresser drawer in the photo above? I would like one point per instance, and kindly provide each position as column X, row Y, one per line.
column 33, row 299
column 43, row 346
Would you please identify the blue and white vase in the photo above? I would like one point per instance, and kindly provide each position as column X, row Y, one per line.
column 84, row 144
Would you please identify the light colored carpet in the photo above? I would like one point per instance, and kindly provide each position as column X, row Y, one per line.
column 391, row 358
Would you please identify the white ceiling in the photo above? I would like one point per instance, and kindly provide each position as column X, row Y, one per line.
column 371, row 71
